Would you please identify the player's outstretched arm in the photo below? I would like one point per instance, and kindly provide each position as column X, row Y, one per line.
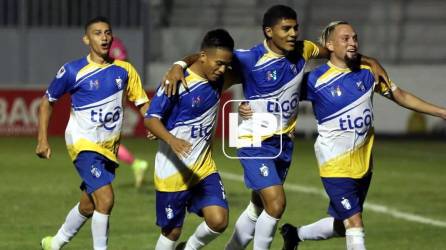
column 180, row 147
column 175, row 74
column 43, row 149
column 410, row 101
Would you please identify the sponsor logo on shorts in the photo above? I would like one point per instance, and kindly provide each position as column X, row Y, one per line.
column 169, row 213
column 346, row 203
column 96, row 172
column 264, row 170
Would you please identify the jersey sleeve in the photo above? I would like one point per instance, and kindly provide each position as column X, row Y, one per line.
column 135, row 91
column 309, row 82
column 160, row 105
column 310, row 50
column 61, row 84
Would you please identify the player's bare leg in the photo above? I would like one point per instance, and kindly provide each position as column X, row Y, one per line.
column 215, row 223
column 103, row 200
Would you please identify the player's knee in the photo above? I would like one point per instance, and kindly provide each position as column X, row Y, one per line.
column 218, row 223
column 276, row 208
column 105, row 204
column 86, row 209
column 171, row 233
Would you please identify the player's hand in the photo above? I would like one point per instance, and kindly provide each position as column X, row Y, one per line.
column 292, row 134
column 151, row 136
column 171, row 79
column 180, row 147
column 244, row 110
column 43, row 150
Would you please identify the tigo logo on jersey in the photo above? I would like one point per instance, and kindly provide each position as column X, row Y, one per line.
column 96, row 172
column 360, row 124
column 201, row 131
column 287, row 107
column 109, row 119
column 346, row 203
column 271, row 75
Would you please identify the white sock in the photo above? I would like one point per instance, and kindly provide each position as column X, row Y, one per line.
column 244, row 228
column 320, row 230
column 201, row 237
column 73, row 222
column 355, row 238
column 265, row 229
column 99, row 230
column 165, row 243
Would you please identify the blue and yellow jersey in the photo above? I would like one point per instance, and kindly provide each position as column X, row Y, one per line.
column 192, row 116
column 272, row 83
column 97, row 94
column 343, row 106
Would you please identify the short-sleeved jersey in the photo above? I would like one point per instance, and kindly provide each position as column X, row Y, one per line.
column 273, row 81
column 192, row 116
column 97, row 96
column 343, row 107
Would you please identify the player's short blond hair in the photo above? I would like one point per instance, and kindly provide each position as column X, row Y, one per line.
column 328, row 30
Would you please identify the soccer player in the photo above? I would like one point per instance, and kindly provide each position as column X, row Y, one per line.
column 98, row 86
column 118, row 52
column 341, row 92
column 270, row 72
column 186, row 176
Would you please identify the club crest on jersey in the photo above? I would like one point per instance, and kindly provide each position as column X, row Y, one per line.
column 360, row 86
column 271, row 75
column 264, row 170
column 293, row 68
column 118, row 82
column 169, row 213
column 336, row 91
column 346, row 203
column 196, row 101
column 94, row 85
column 96, row 172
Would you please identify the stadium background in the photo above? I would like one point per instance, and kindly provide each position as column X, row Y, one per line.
column 407, row 199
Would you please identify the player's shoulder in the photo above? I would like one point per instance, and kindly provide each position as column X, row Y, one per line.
column 250, row 56
column 123, row 64
column 76, row 65
column 72, row 67
column 318, row 72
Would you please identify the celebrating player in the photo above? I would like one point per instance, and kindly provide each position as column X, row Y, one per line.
column 270, row 72
column 185, row 174
column 341, row 92
column 98, row 86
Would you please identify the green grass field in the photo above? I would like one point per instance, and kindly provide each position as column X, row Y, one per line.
column 409, row 178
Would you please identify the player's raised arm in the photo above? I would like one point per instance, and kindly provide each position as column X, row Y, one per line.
column 43, row 149
column 176, row 74
column 410, row 101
